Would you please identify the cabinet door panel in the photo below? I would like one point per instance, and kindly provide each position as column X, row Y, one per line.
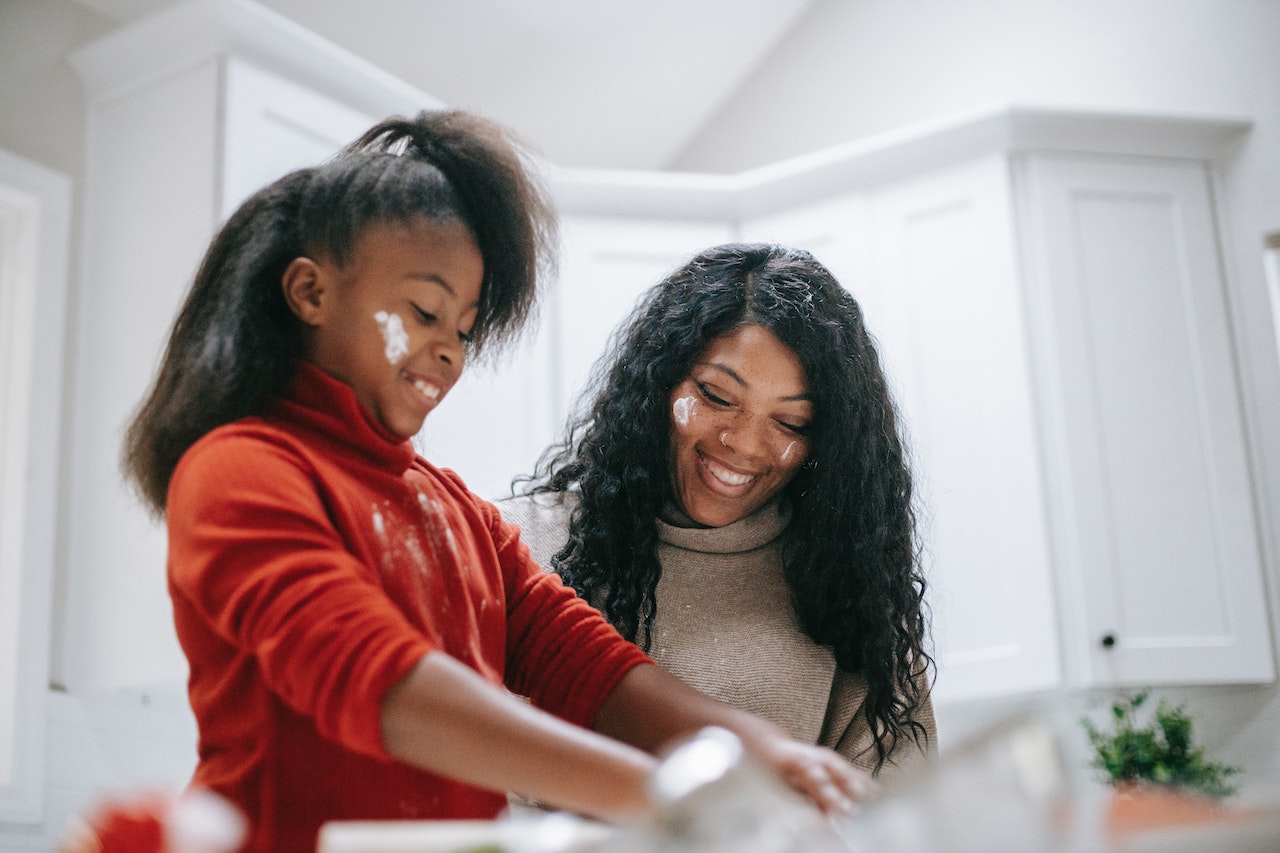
column 944, row 258
column 1155, row 499
column 838, row 233
column 608, row 263
column 499, row 418
column 273, row 126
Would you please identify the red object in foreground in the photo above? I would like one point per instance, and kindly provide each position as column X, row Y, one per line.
column 195, row 821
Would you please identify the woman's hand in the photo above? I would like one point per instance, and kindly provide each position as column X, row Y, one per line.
column 651, row 709
column 821, row 774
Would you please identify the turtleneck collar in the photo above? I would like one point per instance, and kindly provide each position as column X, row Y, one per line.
column 329, row 407
column 746, row 534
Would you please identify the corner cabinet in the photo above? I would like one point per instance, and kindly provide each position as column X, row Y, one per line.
column 1149, row 488
column 1052, row 312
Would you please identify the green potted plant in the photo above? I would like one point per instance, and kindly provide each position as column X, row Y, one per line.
column 1163, row 752
column 1159, row 775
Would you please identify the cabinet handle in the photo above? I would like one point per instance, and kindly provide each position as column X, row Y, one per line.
column 1108, row 640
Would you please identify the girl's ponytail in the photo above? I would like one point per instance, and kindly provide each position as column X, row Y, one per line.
column 232, row 343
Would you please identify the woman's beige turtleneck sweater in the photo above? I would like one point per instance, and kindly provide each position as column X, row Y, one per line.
column 724, row 625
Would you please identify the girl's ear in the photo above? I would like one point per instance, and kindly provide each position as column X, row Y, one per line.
column 306, row 289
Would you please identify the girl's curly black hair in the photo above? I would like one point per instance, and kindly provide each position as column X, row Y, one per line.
column 851, row 551
column 234, row 340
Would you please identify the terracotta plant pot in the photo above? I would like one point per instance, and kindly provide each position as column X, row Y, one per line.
column 1137, row 807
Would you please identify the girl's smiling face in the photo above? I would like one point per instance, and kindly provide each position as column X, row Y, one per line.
column 738, row 426
column 392, row 321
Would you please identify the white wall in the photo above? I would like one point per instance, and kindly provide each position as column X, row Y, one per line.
column 855, row 69
column 42, row 108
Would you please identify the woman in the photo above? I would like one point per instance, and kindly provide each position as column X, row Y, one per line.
column 736, row 500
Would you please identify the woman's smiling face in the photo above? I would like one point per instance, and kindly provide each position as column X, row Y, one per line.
column 738, row 426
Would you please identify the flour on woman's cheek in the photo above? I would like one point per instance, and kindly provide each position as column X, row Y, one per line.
column 786, row 454
column 393, row 336
column 683, row 410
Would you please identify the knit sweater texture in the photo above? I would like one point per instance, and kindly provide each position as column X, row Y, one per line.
column 724, row 625
column 314, row 559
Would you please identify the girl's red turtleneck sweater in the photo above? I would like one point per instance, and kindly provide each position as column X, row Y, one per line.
column 313, row 560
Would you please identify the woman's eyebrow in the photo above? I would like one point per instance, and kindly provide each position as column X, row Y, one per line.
column 804, row 397
column 726, row 370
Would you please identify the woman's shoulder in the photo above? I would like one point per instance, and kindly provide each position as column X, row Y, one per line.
column 544, row 509
column 543, row 520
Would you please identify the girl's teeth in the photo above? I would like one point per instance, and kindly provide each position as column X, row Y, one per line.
column 427, row 389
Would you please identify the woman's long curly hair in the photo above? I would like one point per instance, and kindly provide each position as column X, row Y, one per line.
column 851, row 551
column 234, row 341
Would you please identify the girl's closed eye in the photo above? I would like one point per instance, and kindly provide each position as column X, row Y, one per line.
column 427, row 318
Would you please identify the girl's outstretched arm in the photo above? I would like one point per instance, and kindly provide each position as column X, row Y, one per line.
column 445, row 718
column 649, row 708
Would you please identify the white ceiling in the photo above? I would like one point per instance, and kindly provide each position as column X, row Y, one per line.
column 589, row 83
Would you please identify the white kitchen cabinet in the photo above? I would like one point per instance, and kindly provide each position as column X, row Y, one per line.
column 608, row 264
column 498, row 420
column 1158, row 547
column 499, row 416
column 1056, row 331
column 190, row 110
column 945, row 257
column 274, row 125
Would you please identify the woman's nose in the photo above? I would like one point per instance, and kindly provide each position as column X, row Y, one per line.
column 743, row 437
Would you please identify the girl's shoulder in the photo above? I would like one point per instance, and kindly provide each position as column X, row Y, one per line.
column 245, row 457
column 250, row 436
column 249, row 447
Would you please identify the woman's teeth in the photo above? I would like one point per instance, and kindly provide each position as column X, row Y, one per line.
column 729, row 478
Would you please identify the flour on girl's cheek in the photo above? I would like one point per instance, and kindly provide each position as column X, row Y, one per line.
column 393, row 336
column 683, row 410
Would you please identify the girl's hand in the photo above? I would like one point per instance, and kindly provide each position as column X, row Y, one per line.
column 820, row 774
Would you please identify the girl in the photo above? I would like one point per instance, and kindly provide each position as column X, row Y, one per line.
column 350, row 612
